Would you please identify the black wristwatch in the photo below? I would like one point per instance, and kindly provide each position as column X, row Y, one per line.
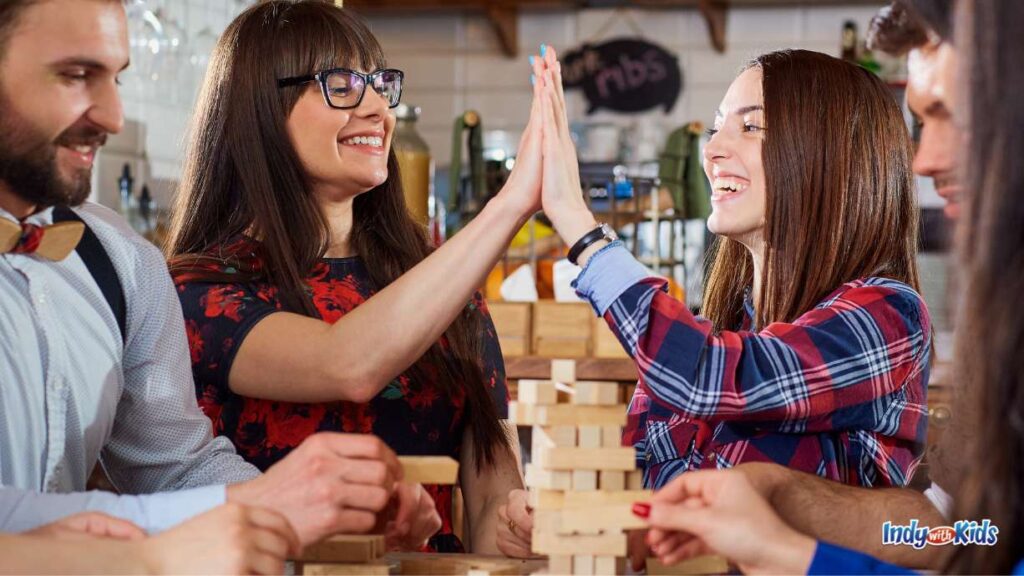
column 602, row 232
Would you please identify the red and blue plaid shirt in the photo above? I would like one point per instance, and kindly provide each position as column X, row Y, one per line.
column 840, row 392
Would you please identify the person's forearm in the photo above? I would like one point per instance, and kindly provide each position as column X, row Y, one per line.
column 484, row 527
column 852, row 517
column 22, row 510
column 411, row 314
column 36, row 555
column 485, row 492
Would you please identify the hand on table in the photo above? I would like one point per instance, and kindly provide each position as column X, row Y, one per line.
column 515, row 526
column 230, row 539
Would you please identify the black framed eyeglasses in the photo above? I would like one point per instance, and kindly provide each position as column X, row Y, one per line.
column 343, row 88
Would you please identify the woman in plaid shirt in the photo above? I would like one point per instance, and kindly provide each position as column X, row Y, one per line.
column 813, row 347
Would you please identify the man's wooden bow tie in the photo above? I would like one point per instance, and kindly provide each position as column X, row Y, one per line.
column 53, row 242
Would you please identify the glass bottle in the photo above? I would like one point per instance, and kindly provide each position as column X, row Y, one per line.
column 414, row 162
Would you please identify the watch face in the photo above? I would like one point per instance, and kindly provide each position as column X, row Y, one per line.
column 609, row 233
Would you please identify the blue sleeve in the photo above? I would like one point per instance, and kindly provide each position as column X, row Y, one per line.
column 609, row 273
column 832, row 559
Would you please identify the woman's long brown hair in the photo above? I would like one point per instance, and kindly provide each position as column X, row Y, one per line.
column 841, row 203
column 242, row 176
column 990, row 336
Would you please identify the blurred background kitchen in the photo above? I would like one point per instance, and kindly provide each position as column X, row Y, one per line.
column 465, row 104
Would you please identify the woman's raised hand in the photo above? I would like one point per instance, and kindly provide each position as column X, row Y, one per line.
column 522, row 189
column 561, row 194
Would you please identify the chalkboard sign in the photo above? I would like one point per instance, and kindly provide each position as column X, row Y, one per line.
column 624, row 75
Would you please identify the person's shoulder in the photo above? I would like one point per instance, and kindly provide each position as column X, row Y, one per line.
column 127, row 249
column 875, row 291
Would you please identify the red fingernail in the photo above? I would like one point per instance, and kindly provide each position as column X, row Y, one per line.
column 642, row 509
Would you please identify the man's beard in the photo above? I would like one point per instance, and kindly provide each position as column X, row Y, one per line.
column 28, row 162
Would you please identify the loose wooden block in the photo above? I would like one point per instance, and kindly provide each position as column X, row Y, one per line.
column 611, row 480
column 566, row 415
column 611, row 436
column 376, row 568
column 563, row 371
column 346, row 548
column 512, row 323
column 596, row 393
column 458, row 564
column 586, row 458
column 430, row 469
column 605, row 344
column 608, row 544
column 554, row 347
column 561, row 330
column 589, row 437
column 537, row 392
column 609, row 565
column 537, row 477
column 583, row 480
column 699, row 565
column 583, row 565
column 635, row 480
column 559, row 565
column 603, row 518
column 552, row 436
column 542, row 499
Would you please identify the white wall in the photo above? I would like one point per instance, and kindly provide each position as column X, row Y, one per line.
column 454, row 62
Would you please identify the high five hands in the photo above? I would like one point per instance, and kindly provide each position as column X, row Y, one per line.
column 561, row 192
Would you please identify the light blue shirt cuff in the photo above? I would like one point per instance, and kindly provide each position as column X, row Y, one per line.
column 610, row 271
column 22, row 510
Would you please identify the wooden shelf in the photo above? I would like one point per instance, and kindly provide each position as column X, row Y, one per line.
column 605, row 369
column 503, row 14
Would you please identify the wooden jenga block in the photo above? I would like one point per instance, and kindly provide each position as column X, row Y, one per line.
column 347, row 548
column 586, row 458
column 430, row 469
column 376, row 568
column 512, row 323
column 584, row 480
column 563, row 371
column 611, row 480
column 541, row 499
column 611, row 436
column 537, row 392
column 589, row 437
column 699, row 565
column 609, row 565
column 559, row 565
column 565, row 415
column 551, row 437
column 604, row 518
column 550, row 543
column 635, row 480
column 561, row 329
column 605, row 344
column 583, row 565
column 537, row 477
column 596, row 393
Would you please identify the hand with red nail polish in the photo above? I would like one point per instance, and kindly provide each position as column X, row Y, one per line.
column 720, row 512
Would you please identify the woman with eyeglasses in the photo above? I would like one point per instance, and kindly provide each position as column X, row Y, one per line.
column 313, row 301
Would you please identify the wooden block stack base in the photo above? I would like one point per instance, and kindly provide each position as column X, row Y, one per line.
column 343, row 555
column 582, row 481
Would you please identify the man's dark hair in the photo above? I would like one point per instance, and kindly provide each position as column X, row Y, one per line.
column 907, row 24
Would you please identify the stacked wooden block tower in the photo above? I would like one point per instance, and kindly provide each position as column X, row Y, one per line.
column 582, row 481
